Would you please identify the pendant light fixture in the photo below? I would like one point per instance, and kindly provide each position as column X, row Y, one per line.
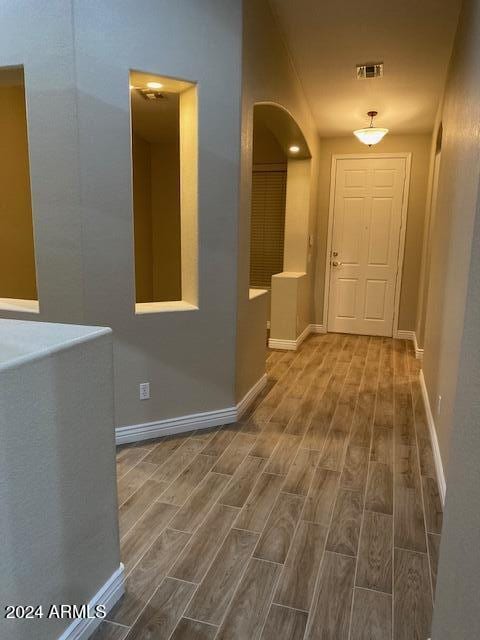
column 371, row 135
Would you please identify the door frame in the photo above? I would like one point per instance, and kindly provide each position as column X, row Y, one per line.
column 407, row 156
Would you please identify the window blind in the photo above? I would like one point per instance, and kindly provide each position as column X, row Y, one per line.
column 267, row 226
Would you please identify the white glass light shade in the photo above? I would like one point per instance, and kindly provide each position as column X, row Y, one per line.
column 370, row 135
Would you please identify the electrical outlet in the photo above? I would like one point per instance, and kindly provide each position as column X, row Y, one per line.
column 439, row 404
column 144, row 390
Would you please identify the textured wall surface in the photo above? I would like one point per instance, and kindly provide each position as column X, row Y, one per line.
column 452, row 229
column 77, row 57
column 58, row 500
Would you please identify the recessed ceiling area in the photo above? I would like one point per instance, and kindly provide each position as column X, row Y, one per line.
column 277, row 136
column 413, row 38
column 156, row 120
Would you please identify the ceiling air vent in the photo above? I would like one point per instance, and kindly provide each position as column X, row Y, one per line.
column 371, row 70
column 150, row 94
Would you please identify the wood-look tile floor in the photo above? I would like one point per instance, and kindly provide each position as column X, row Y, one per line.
column 315, row 517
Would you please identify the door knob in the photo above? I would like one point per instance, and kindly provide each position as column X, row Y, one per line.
column 335, row 254
column 335, row 263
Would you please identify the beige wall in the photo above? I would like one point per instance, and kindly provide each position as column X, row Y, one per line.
column 166, row 228
column 58, row 495
column 142, row 215
column 17, row 258
column 80, row 151
column 432, row 192
column 268, row 76
column 452, row 345
column 156, row 199
column 419, row 147
column 451, row 234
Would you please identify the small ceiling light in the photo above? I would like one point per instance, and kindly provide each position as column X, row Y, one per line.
column 154, row 85
column 371, row 135
column 294, row 148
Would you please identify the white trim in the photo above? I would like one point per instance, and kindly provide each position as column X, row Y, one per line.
column 418, row 350
column 401, row 250
column 402, row 334
column 292, row 345
column 318, row 328
column 250, row 396
column 288, row 345
column 437, row 457
column 19, row 306
column 182, row 424
column 108, row 596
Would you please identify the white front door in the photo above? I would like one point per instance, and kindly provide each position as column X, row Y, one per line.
column 365, row 248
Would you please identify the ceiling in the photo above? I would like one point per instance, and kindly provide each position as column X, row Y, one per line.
column 413, row 38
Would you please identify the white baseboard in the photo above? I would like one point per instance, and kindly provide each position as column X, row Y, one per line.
column 288, row 345
column 442, row 486
column 182, row 424
column 292, row 345
column 418, row 350
column 250, row 396
column 108, row 596
column 318, row 328
column 401, row 334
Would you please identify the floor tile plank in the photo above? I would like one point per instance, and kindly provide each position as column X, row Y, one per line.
column 259, row 504
column 235, row 453
column 297, row 581
column 379, row 496
column 242, row 482
column 433, row 505
column 375, row 556
column 147, row 575
column 279, row 530
column 193, row 630
column 331, row 615
column 204, row 544
column 354, row 474
column 216, row 590
column 409, row 518
column 145, row 532
column 371, row 616
column 197, row 506
column 321, row 497
column 300, row 475
column 250, row 606
column 109, row 631
column 283, row 455
column 283, row 623
column 134, row 479
column 136, row 505
column 163, row 612
column 412, row 596
column 181, row 488
column 345, row 528
column 220, row 441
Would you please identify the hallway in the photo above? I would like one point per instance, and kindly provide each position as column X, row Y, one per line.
column 316, row 516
